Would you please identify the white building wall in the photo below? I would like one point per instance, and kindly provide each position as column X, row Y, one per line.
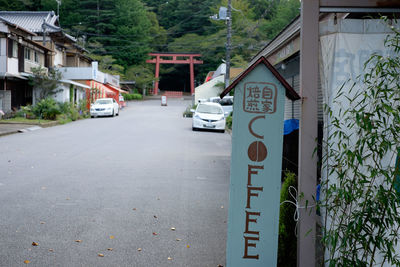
column 3, row 55
column 12, row 65
column 62, row 94
column 208, row 89
column 59, row 58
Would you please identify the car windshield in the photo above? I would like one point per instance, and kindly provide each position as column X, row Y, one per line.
column 209, row 109
column 103, row 101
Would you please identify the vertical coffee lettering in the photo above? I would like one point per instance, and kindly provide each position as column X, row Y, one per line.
column 247, row 244
column 250, row 194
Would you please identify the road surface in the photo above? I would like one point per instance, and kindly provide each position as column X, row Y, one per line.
column 140, row 189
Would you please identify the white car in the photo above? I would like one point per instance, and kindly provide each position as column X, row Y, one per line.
column 104, row 107
column 208, row 116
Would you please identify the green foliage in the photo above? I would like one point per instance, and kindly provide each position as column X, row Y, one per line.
column 287, row 244
column 107, row 63
column 187, row 113
column 286, row 10
column 132, row 97
column 44, row 82
column 360, row 199
column 46, row 109
column 119, row 34
column 25, row 112
column 133, row 28
column 229, row 121
column 141, row 74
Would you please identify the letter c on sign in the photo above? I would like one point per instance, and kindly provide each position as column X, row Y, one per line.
column 251, row 128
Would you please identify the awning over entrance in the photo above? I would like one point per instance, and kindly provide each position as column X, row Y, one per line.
column 11, row 75
column 116, row 88
column 75, row 83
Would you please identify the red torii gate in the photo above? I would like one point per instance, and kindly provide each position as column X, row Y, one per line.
column 185, row 58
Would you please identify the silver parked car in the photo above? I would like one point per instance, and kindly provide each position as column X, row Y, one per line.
column 104, row 107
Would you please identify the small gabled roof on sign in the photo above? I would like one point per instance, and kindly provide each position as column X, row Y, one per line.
column 290, row 92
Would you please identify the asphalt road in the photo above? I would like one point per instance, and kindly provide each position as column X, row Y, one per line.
column 142, row 184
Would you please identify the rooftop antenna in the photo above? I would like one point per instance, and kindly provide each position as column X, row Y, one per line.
column 58, row 7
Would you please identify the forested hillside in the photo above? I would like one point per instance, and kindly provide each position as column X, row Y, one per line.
column 120, row 33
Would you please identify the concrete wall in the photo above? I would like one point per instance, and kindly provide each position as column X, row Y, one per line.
column 88, row 73
column 5, row 101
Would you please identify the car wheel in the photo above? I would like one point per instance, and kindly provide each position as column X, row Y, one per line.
column 91, row 116
column 118, row 113
column 194, row 129
column 113, row 114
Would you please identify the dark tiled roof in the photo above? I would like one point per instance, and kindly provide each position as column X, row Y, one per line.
column 33, row 20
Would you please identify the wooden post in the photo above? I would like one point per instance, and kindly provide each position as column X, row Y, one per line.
column 155, row 90
column 308, row 131
column 191, row 76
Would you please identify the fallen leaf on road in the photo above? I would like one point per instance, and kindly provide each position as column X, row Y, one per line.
column 158, row 198
column 67, row 198
column 154, row 233
column 78, row 241
column 178, row 239
column 134, row 208
column 222, row 207
column 112, row 237
column 42, row 222
column 35, row 244
column 51, row 250
column 26, row 262
column 109, row 249
column 219, row 265
column 169, row 258
column 188, row 246
column 139, row 249
column 100, row 255
column 173, row 229
column 155, row 216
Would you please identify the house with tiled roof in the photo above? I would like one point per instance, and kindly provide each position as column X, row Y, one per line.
column 19, row 53
column 63, row 51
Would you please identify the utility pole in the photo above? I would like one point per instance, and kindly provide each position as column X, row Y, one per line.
column 228, row 43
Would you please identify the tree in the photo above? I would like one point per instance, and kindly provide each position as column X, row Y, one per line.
column 286, row 11
column 141, row 74
column 45, row 82
column 133, row 31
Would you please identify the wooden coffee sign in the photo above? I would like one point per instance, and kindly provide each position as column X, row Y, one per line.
column 256, row 162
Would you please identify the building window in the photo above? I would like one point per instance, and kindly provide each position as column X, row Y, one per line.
column 27, row 53
column 36, row 57
column 14, row 49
